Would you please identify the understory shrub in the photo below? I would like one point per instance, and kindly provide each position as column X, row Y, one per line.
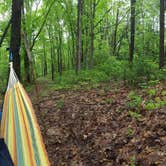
column 143, row 70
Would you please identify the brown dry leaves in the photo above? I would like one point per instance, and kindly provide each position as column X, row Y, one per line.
column 93, row 128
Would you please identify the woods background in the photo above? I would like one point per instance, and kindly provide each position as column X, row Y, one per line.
column 99, row 40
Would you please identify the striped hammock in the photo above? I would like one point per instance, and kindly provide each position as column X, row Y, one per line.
column 19, row 126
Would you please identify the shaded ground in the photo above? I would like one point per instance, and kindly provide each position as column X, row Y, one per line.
column 95, row 127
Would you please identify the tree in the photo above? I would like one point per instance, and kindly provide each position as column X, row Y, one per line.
column 15, row 41
column 93, row 5
column 79, row 35
column 132, row 30
column 162, row 26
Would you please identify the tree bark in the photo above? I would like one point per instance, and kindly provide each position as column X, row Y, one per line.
column 115, row 33
column 15, row 41
column 93, row 10
column 45, row 60
column 162, row 26
column 79, row 35
column 60, row 53
column 132, row 30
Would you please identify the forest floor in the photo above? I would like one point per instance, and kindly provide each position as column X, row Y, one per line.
column 106, row 125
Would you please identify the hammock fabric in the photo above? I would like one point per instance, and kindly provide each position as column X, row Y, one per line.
column 19, row 127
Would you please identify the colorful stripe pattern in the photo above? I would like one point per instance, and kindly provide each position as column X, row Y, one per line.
column 20, row 129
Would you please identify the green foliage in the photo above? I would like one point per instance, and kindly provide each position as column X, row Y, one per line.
column 113, row 68
column 135, row 115
column 130, row 132
column 109, row 101
column 163, row 103
column 163, row 93
column 152, row 106
column 162, row 74
column 135, row 101
column 61, row 27
column 156, row 102
column 140, row 73
column 69, row 78
column 153, row 82
column 132, row 161
column 3, row 76
column 60, row 104
column 152, row 92
column 141, row 70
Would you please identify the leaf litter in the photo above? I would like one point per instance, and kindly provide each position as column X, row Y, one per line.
column 93, row 127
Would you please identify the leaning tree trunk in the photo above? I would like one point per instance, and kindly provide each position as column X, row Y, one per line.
column 15, row 40
column 162, row 14
column 132, row 30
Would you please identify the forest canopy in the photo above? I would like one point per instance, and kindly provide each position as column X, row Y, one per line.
column 100, row 40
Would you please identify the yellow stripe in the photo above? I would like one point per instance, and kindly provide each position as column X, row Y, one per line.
column 27, row 136
column 42, row 151
column 8, row 120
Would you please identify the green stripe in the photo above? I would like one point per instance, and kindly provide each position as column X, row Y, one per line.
column 19, row 143
column 32, row 131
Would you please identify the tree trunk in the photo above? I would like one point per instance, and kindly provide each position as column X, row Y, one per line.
column 60, row 53
column 15, row 41
column 79, row 36
column 162, row 14
column 45, row 60
column 132, row 33
column 27, row 75
column 93, row 10
column 115, row 33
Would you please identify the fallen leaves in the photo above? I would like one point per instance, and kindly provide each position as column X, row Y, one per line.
column 93, row 127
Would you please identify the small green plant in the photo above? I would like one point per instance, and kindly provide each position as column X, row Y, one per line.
column 153, row 82
column 109, row 101
column 157, row 99
column 135, row 101
column 135, row 115
column 163, row 103
column 152, row 106
column 131, row 95
column 60, row 104
column 133, row 161
column 163, row 93
column 152, row 92
column 129, row 132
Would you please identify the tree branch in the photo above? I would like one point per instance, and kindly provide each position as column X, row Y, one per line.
column 103, row 17
column 42, row 25
column 5, row 32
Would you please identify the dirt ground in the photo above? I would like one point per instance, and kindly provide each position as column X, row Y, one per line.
column 93, row 127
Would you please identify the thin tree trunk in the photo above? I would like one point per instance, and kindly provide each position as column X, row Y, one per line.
column 79, row 36
column 115, row 33
column 26, row 67
column 60, row 53
column 45, row 60
column 132, row 33
column 162, row 14
column 51, row 51
column 93, row 10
